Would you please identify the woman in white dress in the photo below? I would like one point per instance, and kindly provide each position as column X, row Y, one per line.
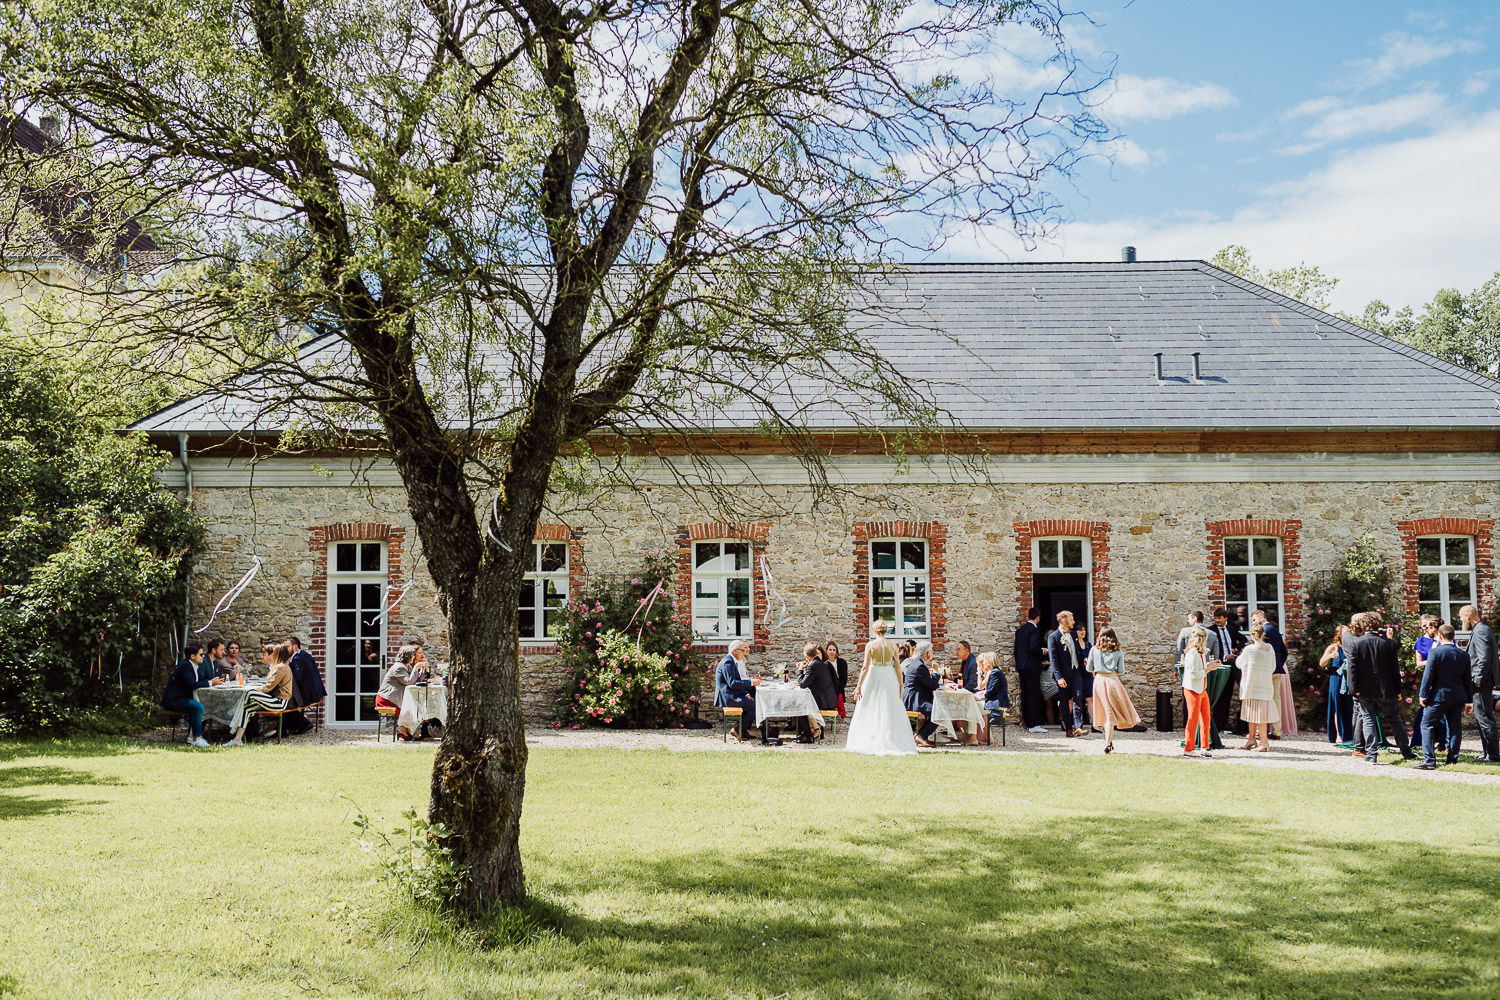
column 880, row 725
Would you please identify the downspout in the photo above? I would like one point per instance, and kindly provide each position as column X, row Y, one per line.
column 187, row 496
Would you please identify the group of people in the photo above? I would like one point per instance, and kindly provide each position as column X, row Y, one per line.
column 288, row 675
column 1086, row 676
column 1364, row 683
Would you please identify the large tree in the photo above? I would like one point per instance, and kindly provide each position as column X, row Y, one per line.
column 524, row 229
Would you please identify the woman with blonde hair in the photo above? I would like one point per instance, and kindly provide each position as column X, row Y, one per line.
column 879, row 725
column 274, row 695
column 1257, row 663
column 1195, row 670
column 1106, row 661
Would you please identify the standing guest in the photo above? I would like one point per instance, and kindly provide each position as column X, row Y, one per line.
column 1428, row 626
column 1374, row 678
column 967, row 677
column 1221, row 683
column 1030, row 662
column 273, row 696
column 734, row 687
column 1081, row 634
column 817, row 675
column 905, row 649
column 1067, row 664
column 208, row 666
column 840, row 671
column 178, row 696
column 1447, row 691
column 1106, row 662
column 393, row 686
column 1340, row 708
column 1194, row 620
column 1483, row 672
column 1196, row 666
column 1258, row 701
column 1286, row 705
column 918, row 682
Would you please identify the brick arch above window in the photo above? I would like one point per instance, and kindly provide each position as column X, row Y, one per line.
column 1483, row 533
column 1097, row 532
column 936, row 536
column 1289, row 531
column 756, row 533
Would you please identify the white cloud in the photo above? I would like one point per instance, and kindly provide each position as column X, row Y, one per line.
column 1474, row 86
column 1122, row 150
column 1384, row 116
column 1403, row 52
column 1137, row 97
column 1248, row 135
column 1315, row 106
column 1395, row 221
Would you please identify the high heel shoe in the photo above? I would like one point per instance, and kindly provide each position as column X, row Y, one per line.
column 1109, row 748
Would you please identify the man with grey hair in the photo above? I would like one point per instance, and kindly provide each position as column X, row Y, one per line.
column 918, row 682
column 735, row 688
column 1482, row 668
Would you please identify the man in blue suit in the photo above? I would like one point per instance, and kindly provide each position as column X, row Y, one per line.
column 917, row 684
column 1067, row 665
column 735, row 688
column 1447, row 689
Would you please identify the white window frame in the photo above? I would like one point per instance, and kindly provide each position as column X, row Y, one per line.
column 1087, row 569
column 720, row 604
column 359, row 578
column 1251, row 571
column 537, row 579
column 900, row 577
column 1444, row 570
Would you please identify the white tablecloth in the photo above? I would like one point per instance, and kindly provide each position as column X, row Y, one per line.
column 225, row 704
column 949, row 707
column 785, row 703
column 418, row 704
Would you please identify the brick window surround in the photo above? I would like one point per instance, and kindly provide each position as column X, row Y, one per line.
column 1097, row 532
column 756, row 533
column 319, row 538
column 936, row 536
column 1291, row 562
column 574, row 538
column 1483, row 533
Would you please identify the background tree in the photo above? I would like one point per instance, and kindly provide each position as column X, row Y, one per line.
column 1462, row 329
column 1303, row 282
column 526, row 230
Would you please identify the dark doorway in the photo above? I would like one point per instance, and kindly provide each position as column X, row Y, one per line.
column 1053, row 593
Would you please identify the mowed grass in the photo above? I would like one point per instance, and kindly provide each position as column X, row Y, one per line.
column 131, row 871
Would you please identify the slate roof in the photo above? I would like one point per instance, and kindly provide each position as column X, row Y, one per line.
column 1070, row 346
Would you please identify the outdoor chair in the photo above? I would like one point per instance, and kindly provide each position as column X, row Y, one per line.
column 830, row 724
column 728, row 714
column 383, row 712
column 997, row 718
column 187, row 730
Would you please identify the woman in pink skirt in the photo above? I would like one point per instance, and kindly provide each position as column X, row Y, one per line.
column 1257, row 663
column 1107, row 663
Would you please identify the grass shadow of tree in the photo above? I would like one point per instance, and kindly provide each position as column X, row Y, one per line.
column 23, row 806
column 1098, row 907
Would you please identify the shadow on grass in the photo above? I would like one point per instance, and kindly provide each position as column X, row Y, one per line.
column 1095, row 907
column 22, row 806
column 67, row 747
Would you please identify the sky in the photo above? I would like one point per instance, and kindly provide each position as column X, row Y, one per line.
column 1360, row 137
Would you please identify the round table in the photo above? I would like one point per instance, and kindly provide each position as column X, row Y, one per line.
column 785, row 701
column 420, row 703
column 949, row 707
column 225, row 704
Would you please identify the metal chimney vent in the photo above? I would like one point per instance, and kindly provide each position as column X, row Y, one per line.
column 1127, row 255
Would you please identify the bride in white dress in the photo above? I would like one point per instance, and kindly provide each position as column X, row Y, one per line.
column 879, row 725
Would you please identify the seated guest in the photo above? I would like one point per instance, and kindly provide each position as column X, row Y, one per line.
column 273, row 696
column 734, row 687
column 918, row 682
column 966, row 675
column 307, row 686
column 209, row 665
column 228, row 666
column 178, row 696
column 841, row 672
column 1447, row 691
column 996, row 689
column 393, row 688
column 817, row 675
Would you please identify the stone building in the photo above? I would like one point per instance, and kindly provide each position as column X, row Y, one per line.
column 1141, row 439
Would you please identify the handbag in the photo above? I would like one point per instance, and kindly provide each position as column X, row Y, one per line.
column 1164, row 722
column 1050, row 688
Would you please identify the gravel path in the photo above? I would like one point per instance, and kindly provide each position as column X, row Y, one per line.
column 1309, row 752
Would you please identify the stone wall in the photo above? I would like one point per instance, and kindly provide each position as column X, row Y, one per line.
column 1157, row 566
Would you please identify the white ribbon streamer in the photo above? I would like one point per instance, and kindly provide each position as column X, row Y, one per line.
column 228, row 598
column 385, row 608
column 771, row 591
column 494, row 522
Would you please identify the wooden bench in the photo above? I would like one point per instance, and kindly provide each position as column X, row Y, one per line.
column 997, row 718
column 830, row 719
column 727, row 714
column 279, row 713
column 382, row 712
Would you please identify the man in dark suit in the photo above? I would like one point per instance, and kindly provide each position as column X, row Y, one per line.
column 818, row 676
column 1370, row 664
column 307, row 686
column 1030, row 662
column 1447, row 690
column 968, row 676
column 1483, row 670
column 918, row 682
column 1223, row 682
column 1067, row 666
column 734, row 687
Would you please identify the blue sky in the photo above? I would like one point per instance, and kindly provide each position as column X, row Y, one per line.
column 1363, row 137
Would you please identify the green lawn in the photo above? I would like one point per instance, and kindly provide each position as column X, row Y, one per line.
column 141, row 871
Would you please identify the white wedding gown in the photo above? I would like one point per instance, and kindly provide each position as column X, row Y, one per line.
column 880, row 725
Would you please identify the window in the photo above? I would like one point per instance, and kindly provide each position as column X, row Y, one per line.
column 721, row 591
column 1445, row 575
column 1252, row 574
column 544, row 592
column 898, row 586
column 357, row 590
column 1069, row 555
